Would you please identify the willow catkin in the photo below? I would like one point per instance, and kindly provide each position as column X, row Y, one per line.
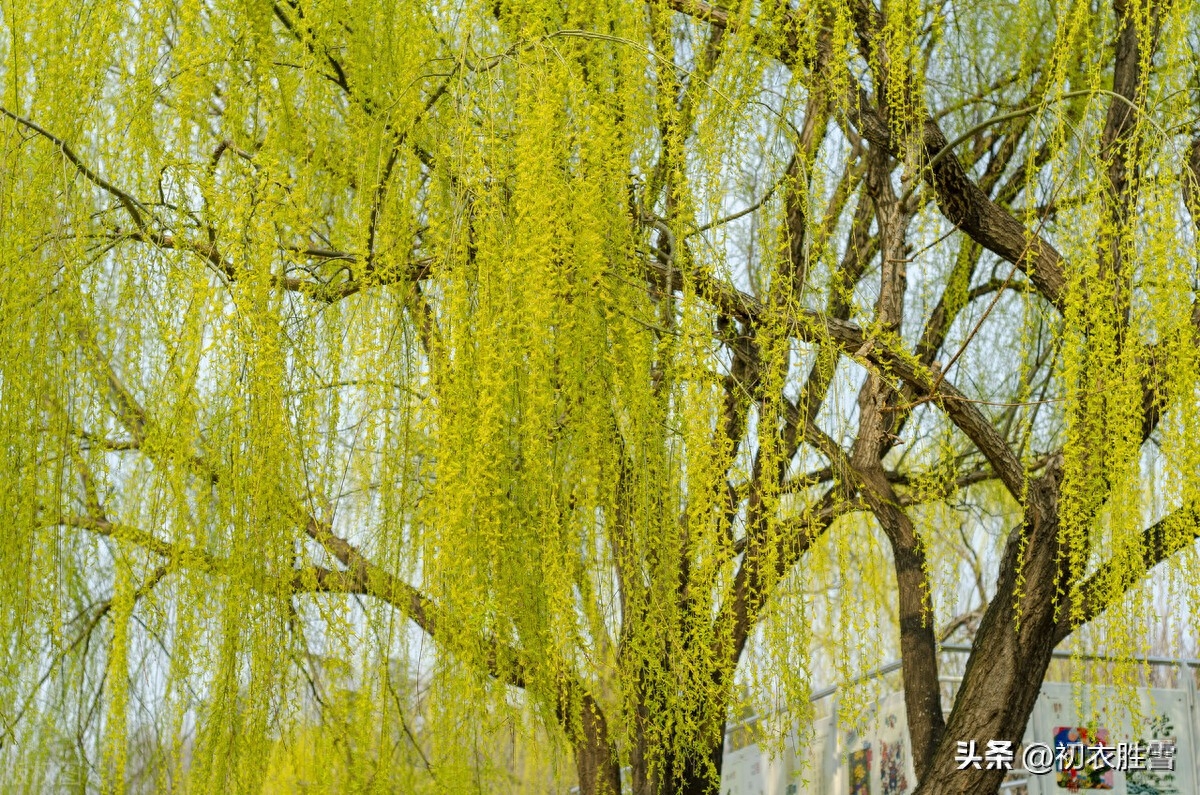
column 389, row 389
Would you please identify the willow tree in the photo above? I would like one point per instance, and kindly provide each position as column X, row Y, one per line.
column 575, row 339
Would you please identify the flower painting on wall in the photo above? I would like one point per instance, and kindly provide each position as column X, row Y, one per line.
column 860, row 771
column 1074, row 768
column 891, row 768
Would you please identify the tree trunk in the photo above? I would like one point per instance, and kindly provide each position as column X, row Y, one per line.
column 1011, row 651
column 696, row 778
column 596, row 761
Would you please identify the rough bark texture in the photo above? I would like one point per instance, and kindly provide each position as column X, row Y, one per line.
column 596, row 761
column 1012, row 648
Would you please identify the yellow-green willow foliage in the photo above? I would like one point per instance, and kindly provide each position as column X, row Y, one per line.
column 451, row 396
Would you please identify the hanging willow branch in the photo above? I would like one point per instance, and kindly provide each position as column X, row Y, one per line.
column 396, row 397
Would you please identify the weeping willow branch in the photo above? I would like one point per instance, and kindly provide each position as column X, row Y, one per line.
column 412, row 272
column 514, row 401
column 360, row 576
column 876, row 351
column 763, row 565
column 132, row 206
column 1114, row 578
column 98, row 613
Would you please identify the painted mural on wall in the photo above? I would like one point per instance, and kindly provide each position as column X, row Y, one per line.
column 860, row 771
column 1158, row 728
column 1075, row 769
column 892, row 773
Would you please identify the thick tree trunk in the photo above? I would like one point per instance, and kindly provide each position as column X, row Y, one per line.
column 697, row 778
column 1011, row 651
column 695, row 775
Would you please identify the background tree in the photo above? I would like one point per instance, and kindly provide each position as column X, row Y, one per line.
column 580, row 339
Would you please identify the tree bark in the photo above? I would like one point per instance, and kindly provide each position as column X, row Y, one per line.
column 1011, row 651
column 596, row 761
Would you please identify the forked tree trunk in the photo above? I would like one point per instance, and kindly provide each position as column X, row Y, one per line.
column 1011, row 653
